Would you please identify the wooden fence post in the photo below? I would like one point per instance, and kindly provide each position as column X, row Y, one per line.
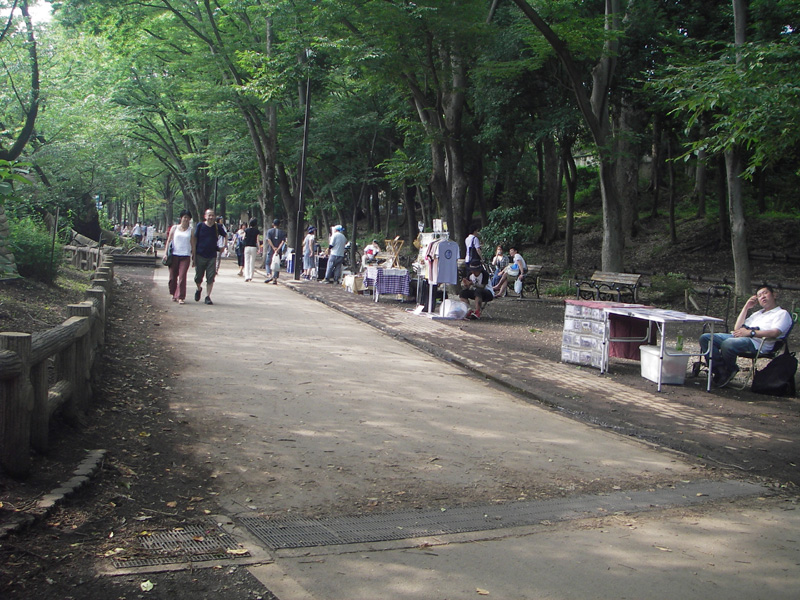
column 15, row 413
column 83, row 358
column 40, row 418
column 98, row 296
column 65, row 371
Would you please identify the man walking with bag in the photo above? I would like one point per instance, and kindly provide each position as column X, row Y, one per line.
column 276, row 241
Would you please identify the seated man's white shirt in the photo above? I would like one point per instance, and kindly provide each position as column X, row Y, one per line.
column 777, row 318
column 517, row 267
column 523, row 266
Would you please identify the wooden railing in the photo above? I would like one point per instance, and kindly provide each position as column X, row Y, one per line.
column 83, row 257
column 43, row 372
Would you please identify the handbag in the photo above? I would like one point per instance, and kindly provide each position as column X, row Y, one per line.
column 276, row 262
column 167, row 260
column 221, row 241
column 777, row 378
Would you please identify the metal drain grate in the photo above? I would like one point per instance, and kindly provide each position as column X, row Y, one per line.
column 192, row 543
column 304, row 533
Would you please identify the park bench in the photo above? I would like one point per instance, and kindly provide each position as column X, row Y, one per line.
column 606, row 285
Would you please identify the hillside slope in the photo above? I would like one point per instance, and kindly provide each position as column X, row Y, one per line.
column 697, row 252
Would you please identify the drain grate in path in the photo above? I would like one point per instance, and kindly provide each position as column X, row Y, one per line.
column 304, row 533
column 192, row 543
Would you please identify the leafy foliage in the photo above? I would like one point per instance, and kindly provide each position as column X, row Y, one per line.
column 11, row 172
column 749, row 93
column 507, row 227
column 33, row 250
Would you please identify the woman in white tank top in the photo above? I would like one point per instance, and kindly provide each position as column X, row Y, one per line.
column 180, row 236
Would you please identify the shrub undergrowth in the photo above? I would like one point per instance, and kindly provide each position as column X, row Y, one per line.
column 33, row 249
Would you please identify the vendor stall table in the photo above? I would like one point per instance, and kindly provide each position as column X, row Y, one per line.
column 387, row 281
column 661, row 319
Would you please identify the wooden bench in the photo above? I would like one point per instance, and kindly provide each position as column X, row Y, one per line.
column 605, row 285
column 530, row 283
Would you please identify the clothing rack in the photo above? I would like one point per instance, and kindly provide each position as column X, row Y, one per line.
column 425, row 240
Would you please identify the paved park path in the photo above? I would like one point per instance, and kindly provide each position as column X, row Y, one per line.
column 303, row 411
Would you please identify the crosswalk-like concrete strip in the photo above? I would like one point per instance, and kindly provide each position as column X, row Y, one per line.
column 305, row 533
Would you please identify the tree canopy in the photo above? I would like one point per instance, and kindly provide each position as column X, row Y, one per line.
column 419, row 110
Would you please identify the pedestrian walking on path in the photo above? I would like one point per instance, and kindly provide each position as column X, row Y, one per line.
column 205, row 255
column 181, row 236
column 276, row 243
column 250, row 249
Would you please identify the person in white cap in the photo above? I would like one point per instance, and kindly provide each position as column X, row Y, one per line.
column 336, row 249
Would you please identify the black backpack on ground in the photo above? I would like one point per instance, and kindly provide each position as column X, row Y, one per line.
column 777, row 378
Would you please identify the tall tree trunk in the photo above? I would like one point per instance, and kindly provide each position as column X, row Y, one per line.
column 741, row 260
column 626, row 125
column 723, row 225
column 673, row 230
column 409, row 193
column 613, row 238
column 733, row 164
column 169, row 200
column 700, row 183
column 571, row 176
column 441, row 113
column 539, row 199
column 594, row 109
column 657, row 160
column 701, row 175
column 551, row 195
column 476, row 195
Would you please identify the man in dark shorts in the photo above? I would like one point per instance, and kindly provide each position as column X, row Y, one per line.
column 205, row 253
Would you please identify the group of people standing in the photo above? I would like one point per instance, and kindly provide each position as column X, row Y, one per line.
column 201, row 246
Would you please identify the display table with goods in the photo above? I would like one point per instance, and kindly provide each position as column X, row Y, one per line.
column 387, row 281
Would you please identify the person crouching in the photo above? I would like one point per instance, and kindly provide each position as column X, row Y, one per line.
column 476, row 286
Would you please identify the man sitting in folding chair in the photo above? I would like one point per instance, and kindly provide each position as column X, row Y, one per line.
column 757, row 333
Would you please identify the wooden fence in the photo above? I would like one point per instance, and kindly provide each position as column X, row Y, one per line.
column 42, row 372
column 83, row 257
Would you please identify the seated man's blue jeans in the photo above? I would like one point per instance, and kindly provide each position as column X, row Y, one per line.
column 726, row 348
